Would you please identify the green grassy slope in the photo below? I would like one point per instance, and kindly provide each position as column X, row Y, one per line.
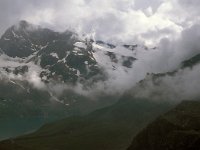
column 110, row 128
column 179, row 129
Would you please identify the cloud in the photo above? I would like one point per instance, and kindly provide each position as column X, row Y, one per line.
column 172, row 26
column 167, row 57
column 184, row 85
column 111, row 20
column 32, row 75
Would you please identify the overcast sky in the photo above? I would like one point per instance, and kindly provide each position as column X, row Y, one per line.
column 115, row 20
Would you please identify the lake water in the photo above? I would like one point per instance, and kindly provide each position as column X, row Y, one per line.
column 17, row 126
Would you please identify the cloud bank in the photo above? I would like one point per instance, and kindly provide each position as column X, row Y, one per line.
column 112, row 20
column 170, row 25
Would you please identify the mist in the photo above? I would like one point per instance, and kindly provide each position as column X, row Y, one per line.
column 167, row 56
column 170, row 30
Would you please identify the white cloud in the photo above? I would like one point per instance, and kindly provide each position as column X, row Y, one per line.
column 184, row 85
column 171, row 25
column 112, row 20
column 32, row 75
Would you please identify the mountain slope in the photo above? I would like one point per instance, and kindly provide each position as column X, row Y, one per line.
column 191, row 62
column 109, row 128
column 64, row 57
column 56, row 53
column 40, row 68
column 179, row 129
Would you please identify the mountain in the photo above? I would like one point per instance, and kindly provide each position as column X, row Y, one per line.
column 54, row 52
column 63, row 57
column 24, row 108
column 40, row 68
column 172, row 84
column 46, row 76
column 179, row 129
column 39, row 59
column 191, row 62
column 110, row 128
column 36, row 62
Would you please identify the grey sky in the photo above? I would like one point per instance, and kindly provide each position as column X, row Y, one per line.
column 115, row 20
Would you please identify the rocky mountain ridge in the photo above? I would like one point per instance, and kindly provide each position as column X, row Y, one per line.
column 176, row 130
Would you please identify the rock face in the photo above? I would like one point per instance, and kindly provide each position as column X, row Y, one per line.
column 110, row 128
column 63, row 56
column 191, row 62
column 179, row 129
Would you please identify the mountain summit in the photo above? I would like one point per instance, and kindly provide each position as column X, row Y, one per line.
column 40, row 67
column 64, row 57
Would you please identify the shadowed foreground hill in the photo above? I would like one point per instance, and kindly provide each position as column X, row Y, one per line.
column 179, row 129
column 110, row 128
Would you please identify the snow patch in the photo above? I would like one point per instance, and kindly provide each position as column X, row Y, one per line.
column 54, row 55
column 6, row 39
column 15, row 35
column 80, row 45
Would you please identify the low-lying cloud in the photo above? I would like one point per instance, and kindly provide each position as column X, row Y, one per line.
column 167, row 57
column 172, row 26
column 32, row 75
column 184, row 85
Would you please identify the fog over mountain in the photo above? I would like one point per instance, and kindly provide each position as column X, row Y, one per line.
column 108, row 67
column 169, row 29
